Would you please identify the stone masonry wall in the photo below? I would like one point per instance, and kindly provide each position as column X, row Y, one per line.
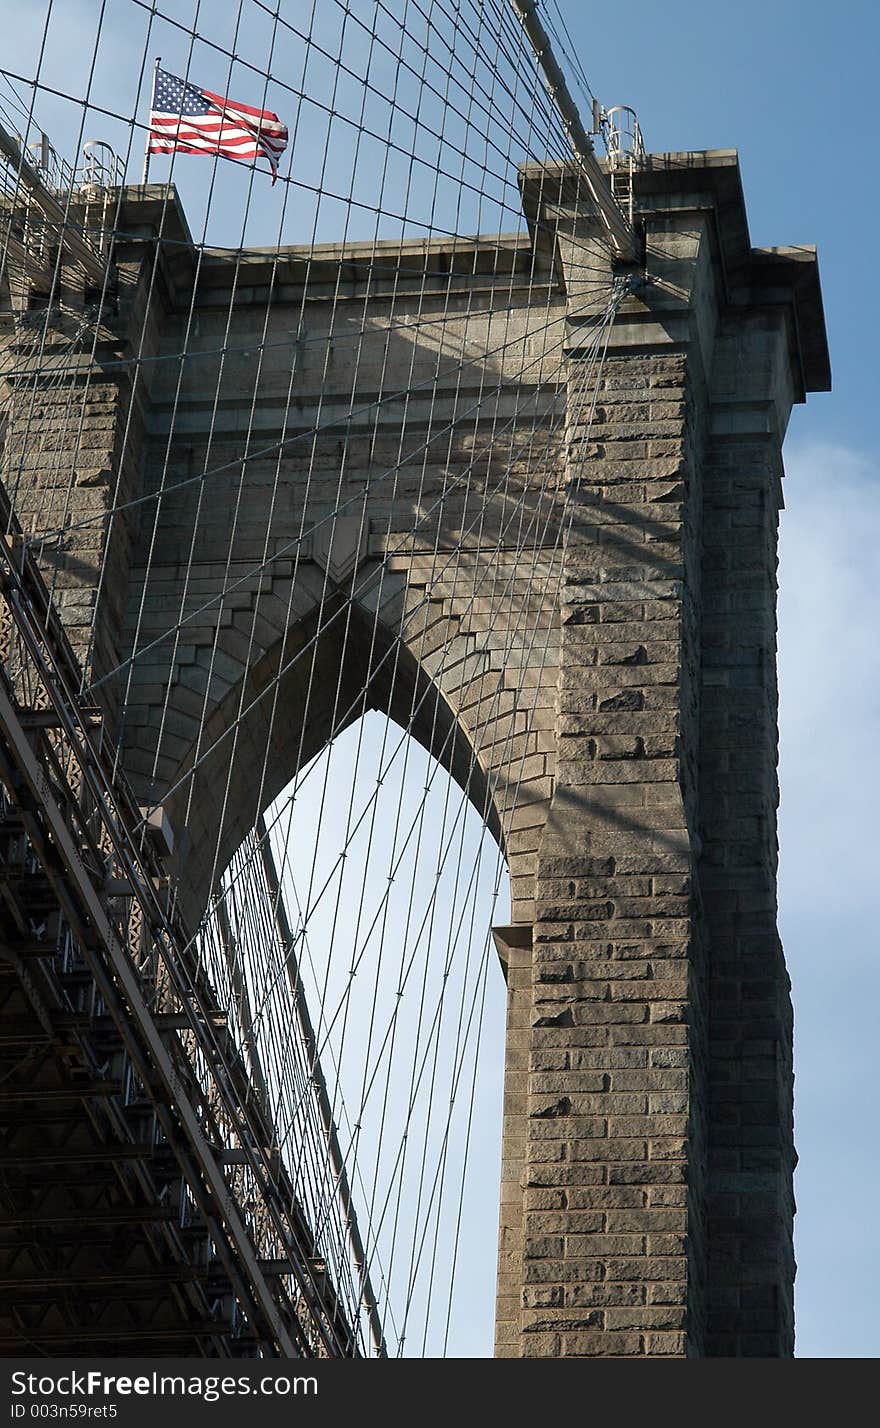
column 750, row 1199
column 73, row 451
column 587, row 624
column 646, row 1189
column 612, row 1260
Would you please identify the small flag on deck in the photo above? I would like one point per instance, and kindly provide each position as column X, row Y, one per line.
column 189, row 120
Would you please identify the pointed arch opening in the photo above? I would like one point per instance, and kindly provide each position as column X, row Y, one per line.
column 259, row 725
column 339, row 755
column 384, row 885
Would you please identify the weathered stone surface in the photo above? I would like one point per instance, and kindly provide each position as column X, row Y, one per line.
column 604, row 691
column 652, row 652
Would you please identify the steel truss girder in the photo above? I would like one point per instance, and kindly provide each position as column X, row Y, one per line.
column 72, row 888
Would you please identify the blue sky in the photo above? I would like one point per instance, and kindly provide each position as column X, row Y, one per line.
column 792, row 86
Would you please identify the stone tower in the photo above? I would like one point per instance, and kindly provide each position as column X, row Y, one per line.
column 617, row 727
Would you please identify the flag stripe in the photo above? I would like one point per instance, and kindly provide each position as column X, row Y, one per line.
column 175, row 126
column 230, row 135
column 218, row 121
column 245, row 108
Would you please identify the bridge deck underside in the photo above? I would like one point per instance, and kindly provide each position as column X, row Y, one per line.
column 93, row 1255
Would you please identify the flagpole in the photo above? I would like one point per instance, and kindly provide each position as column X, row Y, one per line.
column 147, row 145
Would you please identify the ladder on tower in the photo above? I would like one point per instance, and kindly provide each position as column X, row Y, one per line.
column 626, row 153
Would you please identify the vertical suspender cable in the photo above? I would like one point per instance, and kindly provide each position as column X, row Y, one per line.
column 320, row 1085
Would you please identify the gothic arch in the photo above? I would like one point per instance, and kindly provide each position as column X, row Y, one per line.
column 251, row 703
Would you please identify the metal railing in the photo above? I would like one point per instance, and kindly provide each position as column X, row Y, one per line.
column 49, row 206
column 101, row 167
column 626, row 153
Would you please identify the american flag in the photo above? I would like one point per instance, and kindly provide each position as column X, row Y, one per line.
column 195, row 121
